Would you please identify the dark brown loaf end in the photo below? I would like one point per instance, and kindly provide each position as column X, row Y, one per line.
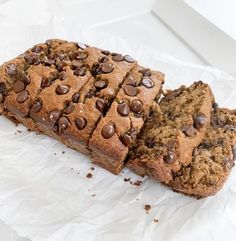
column 212, row 160
column 118, row 129
column 175, row 127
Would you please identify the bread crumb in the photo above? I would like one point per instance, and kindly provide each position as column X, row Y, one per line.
column 147, row 207
column 89, row 175
column 155, row 220
column 136, row 183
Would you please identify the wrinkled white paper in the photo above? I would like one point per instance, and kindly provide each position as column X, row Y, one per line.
column 44, row 192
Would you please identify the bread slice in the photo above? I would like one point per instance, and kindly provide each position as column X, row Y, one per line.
column 212, row 160
column 175, row 127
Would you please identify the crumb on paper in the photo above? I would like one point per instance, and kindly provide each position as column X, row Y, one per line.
column 127, row 179
column 78, row 172
column 93, row 195
column 55, row 153
column 72, row 168
column 137, row 199
column 19, row 131
column 63, row 152
column 89, row 175
column 147, row 207
column 155, row 220
column 136, row 183
column 92, row 168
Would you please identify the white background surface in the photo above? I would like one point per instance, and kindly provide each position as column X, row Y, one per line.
column 136, row 26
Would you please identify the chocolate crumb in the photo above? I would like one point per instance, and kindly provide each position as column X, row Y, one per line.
column 127, row 179
column 72, row 168
column 155, row 220
column 136, row 183
column 29, row 130
column 63, row 152
column 147, row 207
column 89, row 175
column 92, row 168
column 93, row 195
column 19, row 131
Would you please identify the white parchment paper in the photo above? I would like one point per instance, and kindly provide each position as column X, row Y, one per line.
column 44, row 192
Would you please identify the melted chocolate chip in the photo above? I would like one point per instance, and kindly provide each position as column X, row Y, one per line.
column 117, row 58
column 80, row 122
column 96, row 69
column 136, row 106
column 63, row 123
column 107, row 68
column 80, row 71
column 123, row 109
column 54, row 115
column 199, row 121
column 81, row 46
column 126, row 139
column 170, row 157
column 150, row 143
column 145, row 72
column 128, row 59
column 18, row 86
column 70, row 107
column 108, row 130
column 100, row 84
column 147, row 82
column 105, row 52
column 37, row 49
column 189, row 130
column 102, row 59
column 22, row 96
column 102, row 105
column 82, row 56
column 32, row 58
column 26, row 79
column 37, row 106
column 75, row 97
column 130, row 90
column 3, row 88
column 11, row 69
column 62, row 89
column 45, row 82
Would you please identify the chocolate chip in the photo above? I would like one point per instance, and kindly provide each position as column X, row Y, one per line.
column 199, row 121
column 130, row 90
column 205, row 145
column 36, row 107
column 102, row 104
column 80, row 122
column 145, row 72
column 170, row 157
column 107, row 68
column 61, row 56
column 26, row 79
column 117, row 57
column 63, row 123
column 22, row 96
column 189, row 130
column 70, row 107
column 128, row 59
column 62, row 75
column 123, row 109
column 108, row 130
column 80, row 71
column 96, row 69
column 81, row 46
column 45, row 82
column 37, row 49
column 18, row 86
column 82, row 56
column 147, row 82
column 75, row 97
column 105, row 52
column 62, row 89
column 11, row 69
column 54, row 115
column 131, row 81
column 150, row 143
column 215, row 106
column 102, row 59
column 126, row 139
column 32, row 58
column 3, row 88
column 100, row 84
column 49, row 61
column 136, row 106
column 91, row 93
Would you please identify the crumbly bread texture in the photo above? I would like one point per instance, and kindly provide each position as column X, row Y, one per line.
column 212, row 160
column 64, row 89
column 174, row 128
